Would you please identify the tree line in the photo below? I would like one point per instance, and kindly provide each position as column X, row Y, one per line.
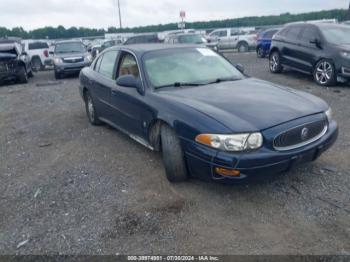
column 74, row 32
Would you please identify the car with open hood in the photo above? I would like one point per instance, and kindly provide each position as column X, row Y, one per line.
column 15, row 64
column 206, row 116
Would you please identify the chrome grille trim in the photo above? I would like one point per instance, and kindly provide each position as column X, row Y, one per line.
column 305, row 143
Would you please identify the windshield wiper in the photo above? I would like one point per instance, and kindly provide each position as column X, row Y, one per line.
column 228, row 79
column 180, row 84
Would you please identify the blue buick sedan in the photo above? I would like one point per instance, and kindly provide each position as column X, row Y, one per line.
column 206, row 116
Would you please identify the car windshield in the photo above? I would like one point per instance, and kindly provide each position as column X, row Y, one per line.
column 337, row 34
column 187, row 67
column 191, row 39
column 70, row 48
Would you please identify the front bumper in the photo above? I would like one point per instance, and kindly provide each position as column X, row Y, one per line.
column 265, row 162
column 70, row 68
column 11, row 75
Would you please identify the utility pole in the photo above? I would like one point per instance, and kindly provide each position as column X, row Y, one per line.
column 120, row 17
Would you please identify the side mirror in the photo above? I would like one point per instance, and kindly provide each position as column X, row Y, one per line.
column 316, row 42
column 24, row 53
column 240, row 68
column 128, row 81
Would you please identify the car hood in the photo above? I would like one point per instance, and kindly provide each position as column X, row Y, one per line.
column 7, row 56
column 68, row 55
column 248, row 105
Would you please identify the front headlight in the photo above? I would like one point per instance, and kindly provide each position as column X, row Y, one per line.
column 57, row 61
column 234, row 143
column 345, row 54
column 329, row 115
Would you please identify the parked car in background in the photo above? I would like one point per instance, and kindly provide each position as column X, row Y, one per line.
column 38, row 52
column 69, row 57
column 143, row 39
column 320, row 49
column 109, row 43
column 206, row 117
column 15, row 64
column 196, row 39
column 233, row 39
column 264, row 42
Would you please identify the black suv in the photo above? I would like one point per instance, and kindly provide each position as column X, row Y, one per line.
column 320, row 49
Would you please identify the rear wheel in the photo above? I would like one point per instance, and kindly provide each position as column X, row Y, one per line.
column 173, row 155
column 243, row 47
column 325, row 73
column 260, row 52
column 22, row 75
column 275, row 63
column 91, row 109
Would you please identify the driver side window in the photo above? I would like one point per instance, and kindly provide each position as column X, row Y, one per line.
column 128, row 66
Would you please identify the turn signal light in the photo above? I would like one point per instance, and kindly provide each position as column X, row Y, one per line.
column 227, row 172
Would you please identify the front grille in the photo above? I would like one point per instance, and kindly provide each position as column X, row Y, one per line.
column 300, row 135
column 73, row 60
column 6, row 67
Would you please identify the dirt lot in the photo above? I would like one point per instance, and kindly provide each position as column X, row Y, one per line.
column 70, row 188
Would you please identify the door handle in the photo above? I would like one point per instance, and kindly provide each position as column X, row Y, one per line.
column 114, row 90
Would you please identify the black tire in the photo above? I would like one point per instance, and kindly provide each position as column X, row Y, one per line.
column 243, row 47
column 275, row 63
column 325, row 73
column 260, row 52
column 91, row 109
column 30, row 74
column 173, row 156
column 22, row 75
column 36, row 64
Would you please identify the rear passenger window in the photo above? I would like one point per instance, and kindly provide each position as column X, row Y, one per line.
column 309, row 33
column 98, row 63
column 107, row 64
column 294, row 33
column 37, row 45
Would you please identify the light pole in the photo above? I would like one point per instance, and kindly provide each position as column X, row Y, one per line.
column 120, row 17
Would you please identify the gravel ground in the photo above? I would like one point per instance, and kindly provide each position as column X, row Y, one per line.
column 70, row 188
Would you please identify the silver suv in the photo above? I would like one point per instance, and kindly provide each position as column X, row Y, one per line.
column 69, row 57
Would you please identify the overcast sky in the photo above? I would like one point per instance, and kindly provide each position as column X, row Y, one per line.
column 31, row 14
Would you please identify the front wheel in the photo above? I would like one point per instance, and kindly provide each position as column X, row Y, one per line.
column 91, row 110
column 260, row 52
column 22, row 75
column 275, row 63
column 173, row 155
column 325, row 73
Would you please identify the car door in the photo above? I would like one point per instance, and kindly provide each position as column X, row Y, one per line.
column 291, row 47
column 129, row 102
column 102, row 83
column 309, row 52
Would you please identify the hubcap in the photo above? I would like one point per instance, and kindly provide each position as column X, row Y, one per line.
column 324, row 72
column 91, row 109
column 274, row 63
